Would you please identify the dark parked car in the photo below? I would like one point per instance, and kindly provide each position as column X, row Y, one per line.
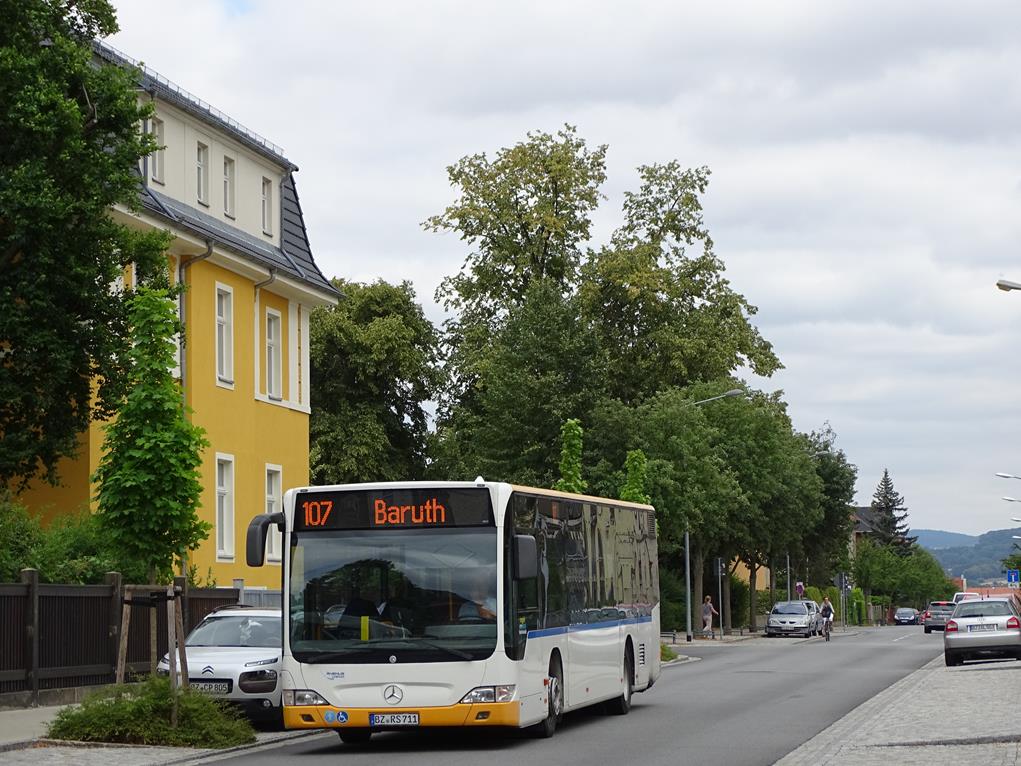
column 936, row 615
column 906, row 616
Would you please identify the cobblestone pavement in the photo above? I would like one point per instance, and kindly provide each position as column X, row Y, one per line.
column 51, row 754
column 937, row 715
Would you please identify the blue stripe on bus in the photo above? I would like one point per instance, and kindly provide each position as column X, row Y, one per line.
column 586, row 626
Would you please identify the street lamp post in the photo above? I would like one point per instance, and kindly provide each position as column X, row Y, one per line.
column 1007, row 285
column 687, row 539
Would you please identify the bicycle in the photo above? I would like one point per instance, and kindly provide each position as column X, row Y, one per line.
column 827, row 626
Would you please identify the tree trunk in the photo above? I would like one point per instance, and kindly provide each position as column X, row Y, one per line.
column 753, row 571
column 772, row 583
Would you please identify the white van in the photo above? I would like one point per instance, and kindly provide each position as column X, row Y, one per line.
column 962, row 595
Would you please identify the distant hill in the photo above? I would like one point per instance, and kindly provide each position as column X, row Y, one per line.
column 978, row 560
column 935, row 539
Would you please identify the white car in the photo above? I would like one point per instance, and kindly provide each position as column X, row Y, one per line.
column 234, row 653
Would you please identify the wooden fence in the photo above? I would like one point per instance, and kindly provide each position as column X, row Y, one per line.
column 59, row 636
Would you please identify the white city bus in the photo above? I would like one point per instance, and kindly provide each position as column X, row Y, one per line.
column 424, row 604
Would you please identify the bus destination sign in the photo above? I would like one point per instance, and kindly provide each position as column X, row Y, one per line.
column 407, row 508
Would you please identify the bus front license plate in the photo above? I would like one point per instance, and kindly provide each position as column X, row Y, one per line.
column 393, row 719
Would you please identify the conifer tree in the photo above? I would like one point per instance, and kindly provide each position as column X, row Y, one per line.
column 891, row 517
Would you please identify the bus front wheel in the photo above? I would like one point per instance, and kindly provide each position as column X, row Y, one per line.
column 555, row 697
column 354, row 736
column 622, row 704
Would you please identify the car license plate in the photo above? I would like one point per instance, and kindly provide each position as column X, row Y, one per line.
column 980, row 628
column 393, row 719
column 211, row 687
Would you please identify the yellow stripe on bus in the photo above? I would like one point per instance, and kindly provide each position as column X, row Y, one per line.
column 485, row 714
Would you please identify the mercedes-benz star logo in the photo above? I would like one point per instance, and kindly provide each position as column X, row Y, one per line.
column 393, row 694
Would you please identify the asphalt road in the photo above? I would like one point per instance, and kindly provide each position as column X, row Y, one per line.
column 748, row 702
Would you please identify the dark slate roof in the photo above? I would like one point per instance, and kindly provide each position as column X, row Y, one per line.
column 864, row 520
column 294, row 259
column 165, row 90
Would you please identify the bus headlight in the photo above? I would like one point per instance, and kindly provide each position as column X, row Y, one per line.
column 292, row 697
column 490, row 694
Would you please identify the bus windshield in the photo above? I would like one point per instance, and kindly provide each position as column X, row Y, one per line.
column 394, row 595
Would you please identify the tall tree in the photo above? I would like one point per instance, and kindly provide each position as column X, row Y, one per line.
column 826, row 544
column 70, row 151
column 657, row 299
column 374, row 360
column 526, row 213
column 891, row 516
column 536, row 372
column 148, row 476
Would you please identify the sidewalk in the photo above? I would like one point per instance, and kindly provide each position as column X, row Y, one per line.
column 936, row 715
column 21, row 742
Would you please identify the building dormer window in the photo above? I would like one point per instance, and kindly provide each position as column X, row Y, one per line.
column 267, row 206
column 228, row 187
column 157, row 159
column 202, row 173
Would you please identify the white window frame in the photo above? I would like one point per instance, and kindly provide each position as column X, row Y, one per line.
column 229, row 174
column 224, row 507
column 224, row 336
column 157, row 158
column 274, row 356
column 202, row 173
column 274, row 504
column 267, row 206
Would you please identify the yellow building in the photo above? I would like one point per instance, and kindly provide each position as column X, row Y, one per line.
column 229, row 198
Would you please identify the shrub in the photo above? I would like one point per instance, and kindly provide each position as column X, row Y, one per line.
column 740, row 594
column 814, row 594
column 21, row 534
column 666, row 654
column 140, row 715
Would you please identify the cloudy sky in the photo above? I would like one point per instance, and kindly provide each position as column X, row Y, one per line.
column 864, row 192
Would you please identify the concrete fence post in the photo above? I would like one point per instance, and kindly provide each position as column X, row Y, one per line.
column 113, row 579
column 30, row 577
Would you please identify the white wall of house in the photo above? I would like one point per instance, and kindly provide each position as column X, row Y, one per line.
column 182, row 134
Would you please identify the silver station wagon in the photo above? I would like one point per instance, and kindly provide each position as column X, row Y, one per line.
column 790, row 617
column 977, row 629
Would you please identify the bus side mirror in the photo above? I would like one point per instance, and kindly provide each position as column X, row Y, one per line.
column 526, row 558
column 255, row 541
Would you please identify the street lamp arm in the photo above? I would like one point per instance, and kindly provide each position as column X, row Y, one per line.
column 731, row 392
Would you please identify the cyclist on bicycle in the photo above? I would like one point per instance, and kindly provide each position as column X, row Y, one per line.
column 826, row 611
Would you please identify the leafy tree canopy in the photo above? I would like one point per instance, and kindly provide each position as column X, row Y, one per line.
column 537, row 372
column 826, row 543
column 70, row 150
column 656, row 296
column 374, row 360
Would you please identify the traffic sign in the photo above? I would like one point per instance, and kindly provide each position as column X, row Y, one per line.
column 1013, row 576
column 800, row 588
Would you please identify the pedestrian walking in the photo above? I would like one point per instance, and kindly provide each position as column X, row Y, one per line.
column 708, row 610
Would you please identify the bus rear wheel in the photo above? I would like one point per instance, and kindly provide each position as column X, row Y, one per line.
column 622, row 704
column 354, row 736
column 555, row 697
